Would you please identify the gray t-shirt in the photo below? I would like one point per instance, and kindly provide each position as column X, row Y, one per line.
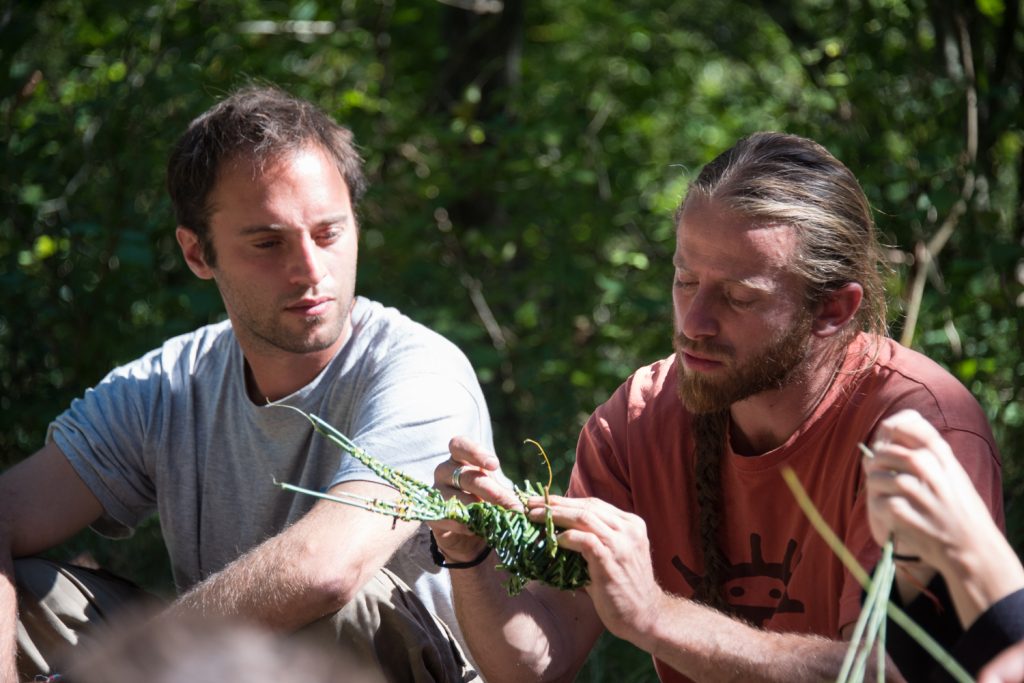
column 174, row 432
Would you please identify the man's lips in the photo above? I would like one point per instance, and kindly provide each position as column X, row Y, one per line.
column 700, row 363
column 311, row 306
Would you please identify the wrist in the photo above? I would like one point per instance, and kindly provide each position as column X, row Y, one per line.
column 645, row 630
column 455, row 548
column 985, row 578
column 442, row 560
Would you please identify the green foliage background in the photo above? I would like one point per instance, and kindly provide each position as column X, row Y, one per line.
column 525, row 166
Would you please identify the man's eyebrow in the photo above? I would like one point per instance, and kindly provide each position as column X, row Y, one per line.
column 749, row 282
column 255, row 229
column 755, row 284
column 333, row 219
column 278, row 227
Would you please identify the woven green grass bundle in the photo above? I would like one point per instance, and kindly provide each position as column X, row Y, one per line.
column 526, row 550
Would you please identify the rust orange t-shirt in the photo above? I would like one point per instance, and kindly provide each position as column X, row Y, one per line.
column 636, row 452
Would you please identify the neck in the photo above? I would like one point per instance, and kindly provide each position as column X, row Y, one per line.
column 270, row 379
column 763, row 422
column 272, row 373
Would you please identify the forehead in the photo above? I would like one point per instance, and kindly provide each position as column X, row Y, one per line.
column 309, row 161
column 298, row 181
column 717, row 241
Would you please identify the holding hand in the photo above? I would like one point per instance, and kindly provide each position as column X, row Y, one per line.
column 468, row 474
column 920, row 496
column 615, row 545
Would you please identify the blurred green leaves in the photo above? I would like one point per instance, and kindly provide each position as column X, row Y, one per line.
column 525, row 168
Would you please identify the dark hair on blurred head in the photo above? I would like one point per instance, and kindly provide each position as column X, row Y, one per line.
column 779, row 178
column 261, row 123
column 194, row 648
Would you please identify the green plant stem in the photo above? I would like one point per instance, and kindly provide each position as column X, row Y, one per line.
column 881, row 585
column 846, row 673
column 898, row 616
column 404, row 512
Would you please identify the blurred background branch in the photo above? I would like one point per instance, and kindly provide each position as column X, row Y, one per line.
column 526, row 160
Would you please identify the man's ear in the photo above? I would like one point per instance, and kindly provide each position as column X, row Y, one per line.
column 835, row 310
column 192, row 250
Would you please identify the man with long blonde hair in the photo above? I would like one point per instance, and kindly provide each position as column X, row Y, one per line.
column 698, row 553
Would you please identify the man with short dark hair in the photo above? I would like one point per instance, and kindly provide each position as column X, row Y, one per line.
column 697, row 550
column 264, row 187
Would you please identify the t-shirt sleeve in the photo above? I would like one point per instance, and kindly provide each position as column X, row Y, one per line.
column 102, row 435
column 999, row 627
column 600, row 469
column 407, row 419
column 981, row 462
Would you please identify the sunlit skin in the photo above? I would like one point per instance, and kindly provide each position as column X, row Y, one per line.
column 286, row 245
column 919, row 494
column 734, row 298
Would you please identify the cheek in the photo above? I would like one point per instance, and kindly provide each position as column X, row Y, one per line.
column 678, row 310
column 343, row 263
column 771, row 330
column 754, row 330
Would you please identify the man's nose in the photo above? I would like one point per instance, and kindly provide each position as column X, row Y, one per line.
column 307, row 262
column 699, row 318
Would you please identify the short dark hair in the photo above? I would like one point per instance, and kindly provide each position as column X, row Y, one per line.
column 259, row 122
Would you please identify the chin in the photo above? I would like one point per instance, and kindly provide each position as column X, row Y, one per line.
column 318, row 343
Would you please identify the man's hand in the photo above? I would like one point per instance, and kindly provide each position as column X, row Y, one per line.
column 622, row 584
column 918, row 493
column 920, row 496
column 476, row 468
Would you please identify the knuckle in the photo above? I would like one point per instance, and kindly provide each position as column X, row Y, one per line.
column 639, row 525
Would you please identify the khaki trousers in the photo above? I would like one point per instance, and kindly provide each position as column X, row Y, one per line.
column 65, row 609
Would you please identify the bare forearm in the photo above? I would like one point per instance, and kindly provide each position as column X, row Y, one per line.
column 979, row 570
column 707, row 645
column 979, row 577
column 271, row 585
column 511, row 639
column 296, row 577
column 305, row 572
column 8, row 621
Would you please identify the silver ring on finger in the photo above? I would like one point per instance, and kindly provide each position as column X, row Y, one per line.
column 457, row 476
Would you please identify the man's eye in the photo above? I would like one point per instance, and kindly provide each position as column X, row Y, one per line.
column 269, row 244
column 741, row 303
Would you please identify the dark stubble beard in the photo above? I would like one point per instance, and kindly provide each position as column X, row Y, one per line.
column 768, row 370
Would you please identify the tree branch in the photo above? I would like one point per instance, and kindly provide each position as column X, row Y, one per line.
column 926, row 253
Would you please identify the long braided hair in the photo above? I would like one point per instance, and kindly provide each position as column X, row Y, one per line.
column 794, row 181
column 709, row 436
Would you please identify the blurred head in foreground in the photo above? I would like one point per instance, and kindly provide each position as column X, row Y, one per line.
column 195, row 649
